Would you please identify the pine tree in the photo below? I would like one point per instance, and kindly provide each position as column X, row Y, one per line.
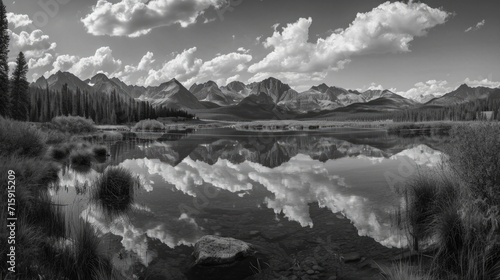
column 20, row 90
column 4, row 65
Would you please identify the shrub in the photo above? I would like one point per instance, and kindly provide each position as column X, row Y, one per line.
column 148, row 125
column 18, row 138
column 73, row 124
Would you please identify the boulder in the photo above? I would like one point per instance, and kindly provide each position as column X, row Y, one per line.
column 216, row 250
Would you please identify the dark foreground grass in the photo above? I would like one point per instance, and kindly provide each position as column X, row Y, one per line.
column 114, row 190
column 456, row 211
column 48, row 245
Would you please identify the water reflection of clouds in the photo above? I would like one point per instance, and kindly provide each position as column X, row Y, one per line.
column 422, row 155
column 294, row 185
column 189, row 174
column 71, row 178
column 170, row 231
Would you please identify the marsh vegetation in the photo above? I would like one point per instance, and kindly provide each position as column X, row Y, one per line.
column 453, row 214
column 49, row 243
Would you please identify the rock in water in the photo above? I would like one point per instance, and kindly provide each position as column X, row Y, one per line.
column 215, row 250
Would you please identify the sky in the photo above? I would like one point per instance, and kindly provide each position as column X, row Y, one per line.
column 410, row 47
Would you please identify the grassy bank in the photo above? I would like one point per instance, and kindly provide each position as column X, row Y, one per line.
column 454, row 212
column 49, row 245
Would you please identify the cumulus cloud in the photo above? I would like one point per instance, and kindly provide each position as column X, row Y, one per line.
column 135, row 75
column 41, row 62
column 421, row 89
column 220, row 67
column 86, row 67
column 388, row 28
column 184, row 66
column 34, row 44
column 232, row 79
column 135, row 18
column 372, row 86
column 188, row 69
column 478, row 26
column 482, row 83
column 18, row 20
column 243, row 50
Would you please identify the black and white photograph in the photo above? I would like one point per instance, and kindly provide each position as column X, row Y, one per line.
column 249, row 140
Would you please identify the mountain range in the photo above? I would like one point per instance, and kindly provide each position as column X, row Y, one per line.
column 268, row 99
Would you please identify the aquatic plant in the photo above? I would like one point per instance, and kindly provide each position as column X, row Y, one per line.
column 114, row 190
column 100, row 153
column 81, row 160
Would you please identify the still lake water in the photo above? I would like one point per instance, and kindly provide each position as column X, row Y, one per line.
column 296, row 194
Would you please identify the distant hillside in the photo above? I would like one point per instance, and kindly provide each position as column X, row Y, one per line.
column 387, row 103
column 462, row 94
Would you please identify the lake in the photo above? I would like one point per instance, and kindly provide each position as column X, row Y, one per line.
column 319, row 196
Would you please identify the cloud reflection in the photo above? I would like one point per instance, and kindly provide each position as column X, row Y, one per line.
column 293, row 185
column 170, row 231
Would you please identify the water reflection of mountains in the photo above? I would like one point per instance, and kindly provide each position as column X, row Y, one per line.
column 268, row 149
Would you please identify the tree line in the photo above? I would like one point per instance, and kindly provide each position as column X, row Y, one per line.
column 469, row 111
column 112, row 108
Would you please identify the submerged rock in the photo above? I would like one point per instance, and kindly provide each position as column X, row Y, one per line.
column 216, row 250
column 352, row 257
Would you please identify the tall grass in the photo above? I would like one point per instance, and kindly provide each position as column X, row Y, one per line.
column 457, row 211
column 404, row 271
